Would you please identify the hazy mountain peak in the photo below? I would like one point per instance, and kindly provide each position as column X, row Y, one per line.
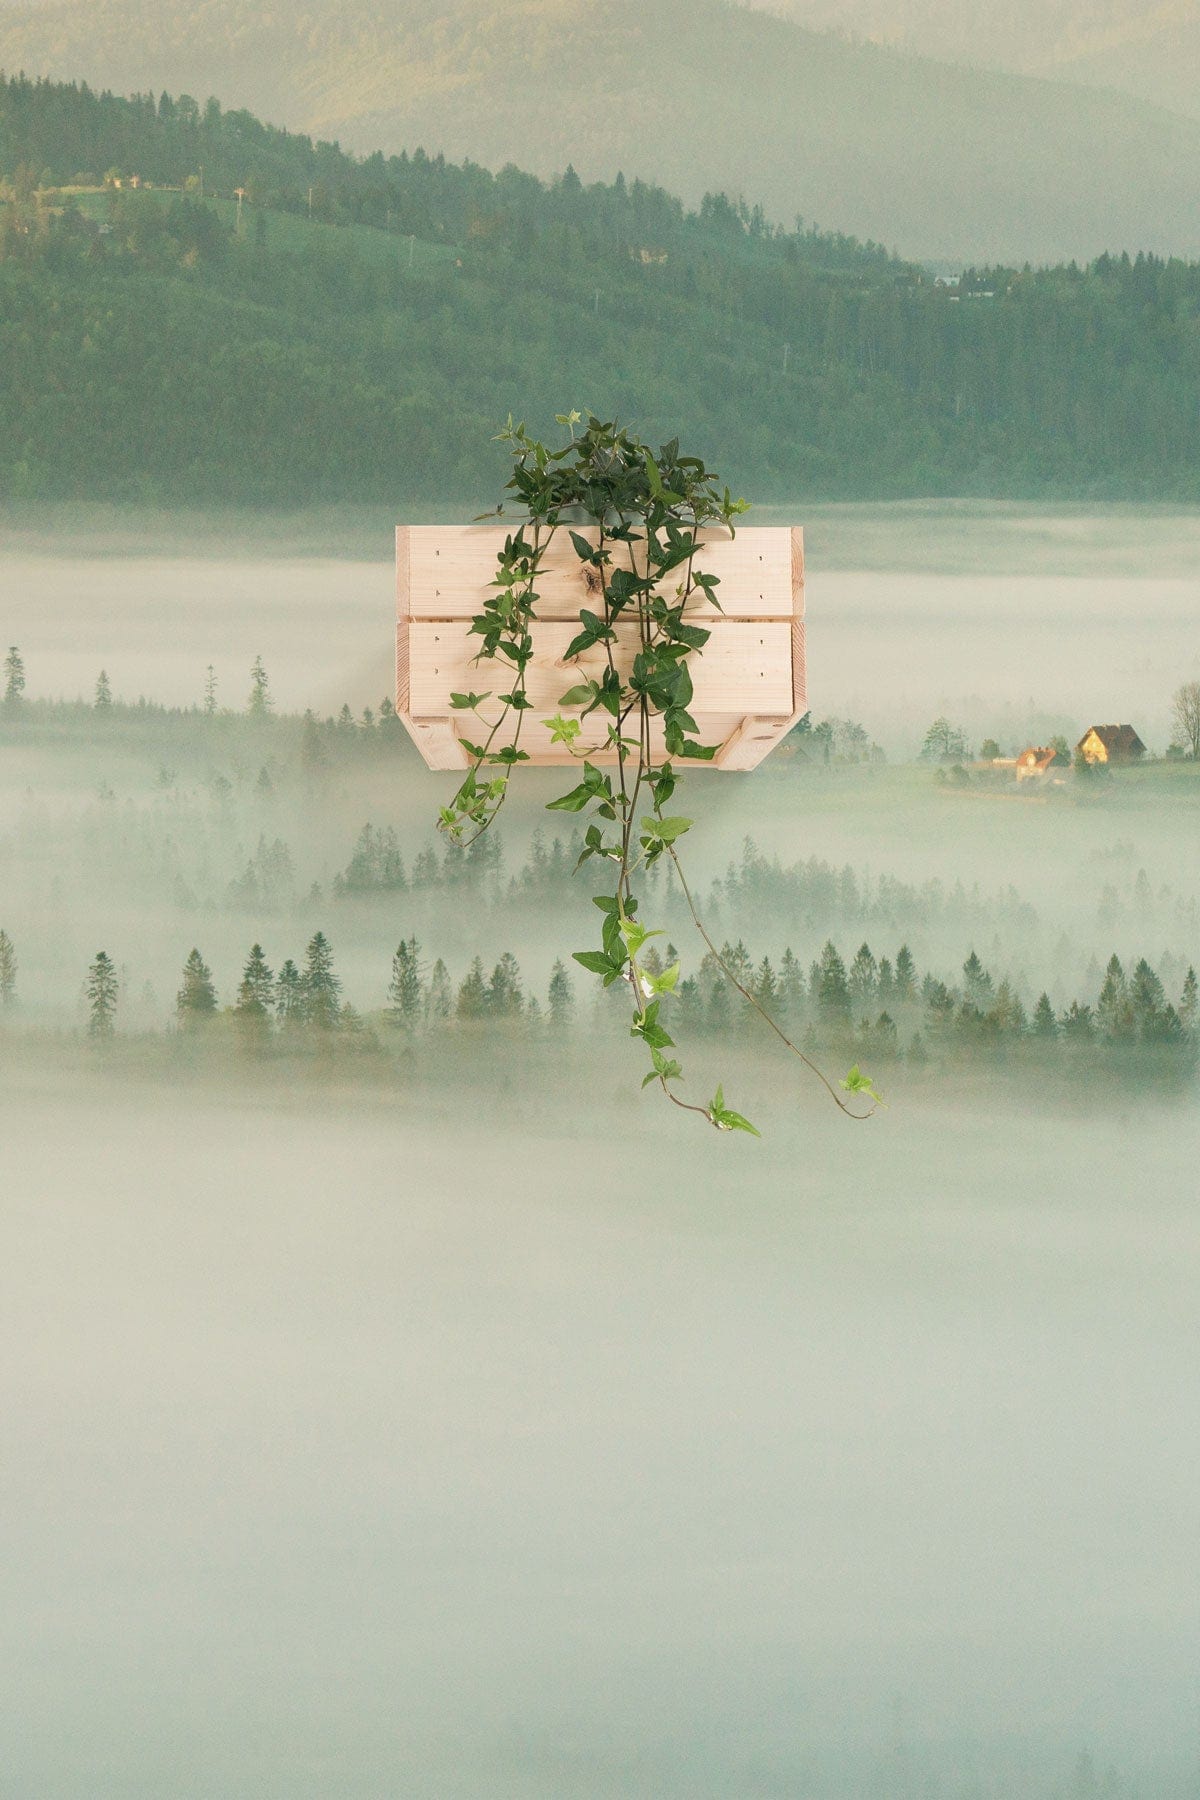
column 946, row 162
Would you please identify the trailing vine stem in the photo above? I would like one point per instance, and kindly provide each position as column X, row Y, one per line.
column 626, row 498
column 753, row 1000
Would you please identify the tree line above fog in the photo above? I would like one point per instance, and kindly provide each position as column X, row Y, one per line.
column 362, row 335
column 882, row 1008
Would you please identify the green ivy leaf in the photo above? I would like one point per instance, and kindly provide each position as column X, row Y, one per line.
column 597, row 963
column 665, row 1069
column 636, row 935
column 725, row 1119
column 858, row 1083
column 666, row 830
column 575, row 801
column 562, row 731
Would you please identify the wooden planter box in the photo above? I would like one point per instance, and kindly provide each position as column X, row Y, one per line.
column 749, row 678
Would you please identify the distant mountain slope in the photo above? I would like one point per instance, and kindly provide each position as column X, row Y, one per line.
column 1148, row 48
column 946, row 162
column 1162, row 65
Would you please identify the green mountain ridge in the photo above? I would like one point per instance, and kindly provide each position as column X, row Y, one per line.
column 952, row 164
column 355, row 330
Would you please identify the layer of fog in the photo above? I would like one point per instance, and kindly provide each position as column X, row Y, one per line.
column 1014, row 622
column 1020, row 656
column 350, row 1451
column 361, row 1451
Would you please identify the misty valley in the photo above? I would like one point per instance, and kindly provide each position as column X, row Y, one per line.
column 359, row 1234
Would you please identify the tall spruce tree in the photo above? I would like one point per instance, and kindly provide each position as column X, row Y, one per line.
column 1007, row 1013
column 1114, row 1013
column 1078, row 1024
column 832, row 988
column 256, row 991
column 441, row 993
column 405, row 999
column 765, row 986
column 561, row 997
column 322, row 989
column 792, row 990
column 103, row 990
column 103, row 699
column 14, row 677
column 197, row 997
column 472, row 1000
column 1189, row 1002
column 978, row 985
column 1146, row 997
column 8, row 972
column 291, row 998
column 259, row 703
column 718, row 1011
column 863, row 979
column 505, row 998
column 1045, row 1025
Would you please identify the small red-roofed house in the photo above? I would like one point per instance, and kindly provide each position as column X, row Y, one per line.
column 1035, row 762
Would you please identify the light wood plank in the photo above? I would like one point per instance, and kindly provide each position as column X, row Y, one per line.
column 744, row 668
column 750, row 743
column 438, row 743
column 403, row 612
column 592, row 741
column 451, row 569
column 799, row 649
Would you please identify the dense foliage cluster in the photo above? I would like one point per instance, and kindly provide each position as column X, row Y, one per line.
column 150, row 350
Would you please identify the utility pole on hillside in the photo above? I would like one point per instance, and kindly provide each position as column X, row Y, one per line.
column 241, row 195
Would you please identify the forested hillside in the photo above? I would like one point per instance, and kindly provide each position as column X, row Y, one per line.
column 953, row 163
column 365, row 328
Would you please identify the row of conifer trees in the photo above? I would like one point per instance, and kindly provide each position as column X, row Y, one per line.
column 882, row 1006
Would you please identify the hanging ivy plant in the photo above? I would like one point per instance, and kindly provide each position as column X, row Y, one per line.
column 646, row 512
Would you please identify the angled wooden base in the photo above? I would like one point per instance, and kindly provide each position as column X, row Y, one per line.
column 749, row 679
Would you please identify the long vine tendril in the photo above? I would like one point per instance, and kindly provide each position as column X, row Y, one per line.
column 641, row 516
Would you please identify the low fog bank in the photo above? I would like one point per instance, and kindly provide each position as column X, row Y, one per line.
column 950, row 537
column 347, row 1450
column 1019, row 622
column 148, row 839
column 410, row 1431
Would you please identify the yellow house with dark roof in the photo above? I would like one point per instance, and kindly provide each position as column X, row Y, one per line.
column 1111, row 744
